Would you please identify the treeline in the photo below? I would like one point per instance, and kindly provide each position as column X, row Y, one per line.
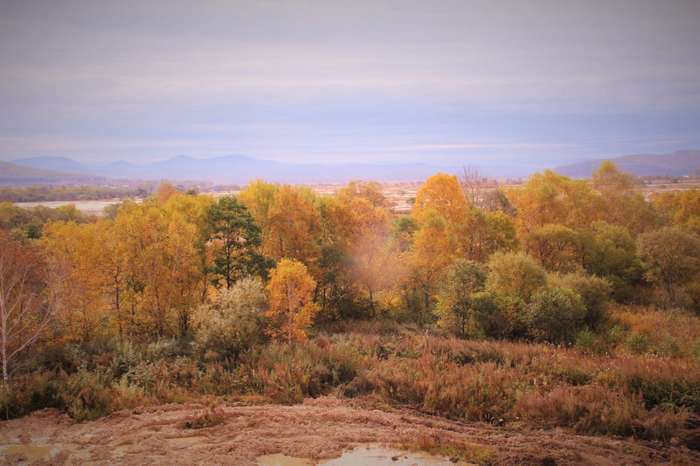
column 43, row 193
column 539, row 264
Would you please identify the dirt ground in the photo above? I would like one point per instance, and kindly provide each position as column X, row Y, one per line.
column 318, row 429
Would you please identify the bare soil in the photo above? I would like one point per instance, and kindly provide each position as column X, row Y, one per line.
column 318, row 429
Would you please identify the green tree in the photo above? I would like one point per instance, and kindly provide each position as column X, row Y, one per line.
column 515, row 274
column 236, row 239
column 454, row 301
column 671, row 259
column 555, row 315
column 594, row 292
column 610, row 252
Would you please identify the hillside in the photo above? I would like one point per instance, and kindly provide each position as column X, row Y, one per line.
column 680, row 163
column 18, row 175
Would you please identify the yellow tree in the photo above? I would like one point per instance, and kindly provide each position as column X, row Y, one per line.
column 432, row 254
column 292, row 308
column 293, row 226
column 681, row 208
column 76, row 277
column 443, row 194
column 622, row 203
column 552, row 198
column 364, row 218
column 162, row 266
column 258, row 197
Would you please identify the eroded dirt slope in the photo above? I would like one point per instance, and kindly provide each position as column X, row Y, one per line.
column 318, row 429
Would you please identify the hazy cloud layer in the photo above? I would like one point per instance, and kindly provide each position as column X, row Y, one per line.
column 449, row 81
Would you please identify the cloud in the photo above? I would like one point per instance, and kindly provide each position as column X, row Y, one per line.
column 375, row 78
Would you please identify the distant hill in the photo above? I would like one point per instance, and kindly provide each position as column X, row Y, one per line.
column 680, row 163
column 12, row 174
column 240, row 169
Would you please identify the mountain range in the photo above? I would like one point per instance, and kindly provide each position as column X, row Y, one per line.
column 236, row 169
column 12, row 174
column 240, row 169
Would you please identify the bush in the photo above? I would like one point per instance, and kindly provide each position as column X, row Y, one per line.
column 597, row 409
column 555, row 315
column 87, row 395
column 287, row 373
column 30, row 392
column 234, row 323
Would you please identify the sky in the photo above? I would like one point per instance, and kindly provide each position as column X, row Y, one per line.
column 452, row 82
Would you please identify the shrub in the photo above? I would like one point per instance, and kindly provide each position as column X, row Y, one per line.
column 286, row 373
column 30, row 392
column 210, row 417
column 234, row 323
column 597, row 409
column 555, row 315
column 87, row 395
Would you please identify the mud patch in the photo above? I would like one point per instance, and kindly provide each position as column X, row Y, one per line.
column 324, row 431
column 283, row 460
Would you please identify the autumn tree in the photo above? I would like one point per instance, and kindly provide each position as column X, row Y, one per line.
column 290, row 294
column 292, row 226
column 622, row 203
column 552, row 198
column 74, row 257
column 482, row 233
column 680, row 208
column 236, row 240
column 24, row 308
column 164, row 191
column 363, row 233
column 671, row 259
column 442, row 194
column 162, row 264
column 258, row 197
column 556, row 247
column 431, row 255
column 515, row 274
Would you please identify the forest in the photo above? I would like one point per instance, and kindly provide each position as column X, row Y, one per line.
column 559, row 303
